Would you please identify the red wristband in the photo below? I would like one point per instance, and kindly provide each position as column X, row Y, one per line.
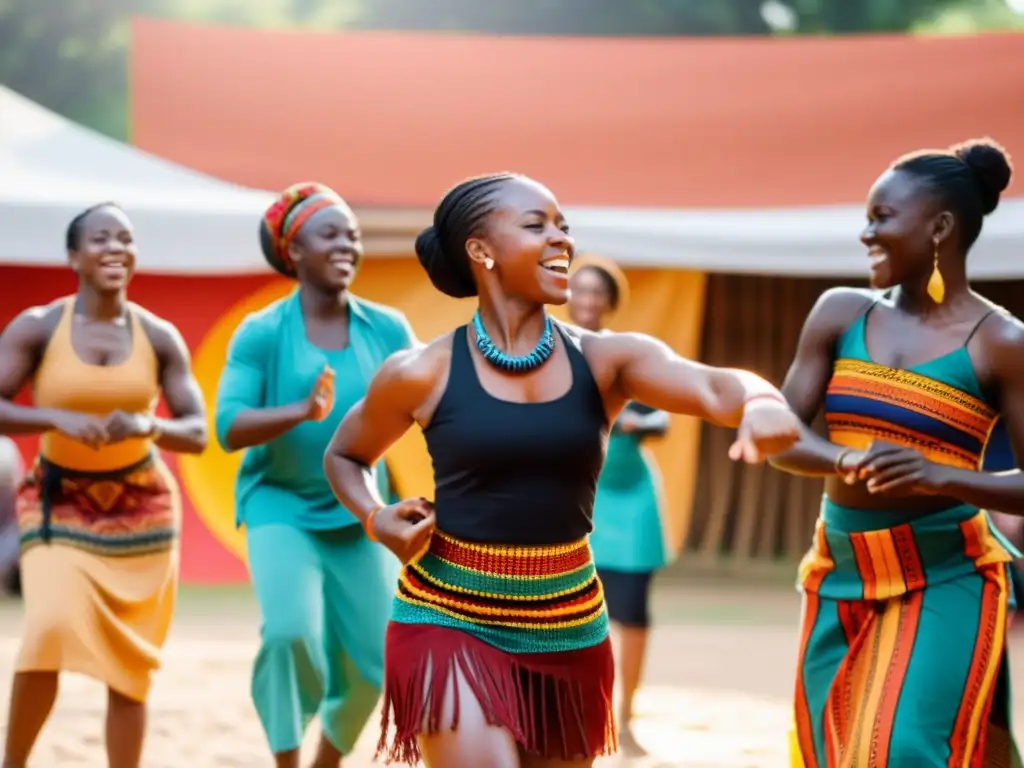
column 368, row 523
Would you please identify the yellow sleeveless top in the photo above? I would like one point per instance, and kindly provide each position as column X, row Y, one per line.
column 64, row 381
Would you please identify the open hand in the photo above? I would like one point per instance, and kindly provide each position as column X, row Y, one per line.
column 769, row 427
column 84, row 428
column 321, row 398
column 898, row 470
column 124, row 426
column 405, row 527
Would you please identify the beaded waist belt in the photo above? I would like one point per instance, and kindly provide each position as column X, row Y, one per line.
column 519, row 599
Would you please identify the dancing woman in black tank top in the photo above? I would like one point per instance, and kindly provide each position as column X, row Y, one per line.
column 497, row 653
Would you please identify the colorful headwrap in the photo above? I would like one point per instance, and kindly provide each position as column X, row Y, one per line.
column 610, row 268
column 285, row 217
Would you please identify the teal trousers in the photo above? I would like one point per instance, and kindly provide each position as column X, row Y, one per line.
column 325, row 599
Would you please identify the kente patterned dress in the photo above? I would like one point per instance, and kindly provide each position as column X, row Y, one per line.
column 903, row 643
column 99, row 528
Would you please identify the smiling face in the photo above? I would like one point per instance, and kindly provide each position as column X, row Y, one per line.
column 592, row 298
column 528, row 239
column 328, row 249
column 904, row 221
column 104, row 254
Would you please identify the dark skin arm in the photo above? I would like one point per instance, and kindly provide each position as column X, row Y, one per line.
column 21, row 347
column 257, row 426
column 392, row 404
column 899, row 471
column 633, row 366
column 807, row 379
column 650, row 371
column 373, row 425
column 185, row 431
column 261, row 425
column 242, row 418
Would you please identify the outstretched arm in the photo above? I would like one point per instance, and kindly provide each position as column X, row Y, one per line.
column 808, row 377
column 649, row 371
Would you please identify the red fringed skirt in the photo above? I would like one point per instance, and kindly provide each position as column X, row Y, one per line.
column 527, row 629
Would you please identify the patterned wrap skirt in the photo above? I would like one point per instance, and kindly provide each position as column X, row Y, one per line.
column 99, row 568
column 527, row 630
column 903, row 656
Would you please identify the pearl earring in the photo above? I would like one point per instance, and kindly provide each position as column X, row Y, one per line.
column 488, row 262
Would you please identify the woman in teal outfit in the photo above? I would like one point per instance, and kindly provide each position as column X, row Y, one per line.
column 628, row 541
column 293, row 370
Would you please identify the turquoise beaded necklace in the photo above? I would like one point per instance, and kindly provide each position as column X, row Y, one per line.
column 506, row 362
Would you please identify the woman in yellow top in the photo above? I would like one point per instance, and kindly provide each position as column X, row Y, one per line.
column 98, row 513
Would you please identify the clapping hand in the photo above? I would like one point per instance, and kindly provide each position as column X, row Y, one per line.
column 83, row 427
column 121, row 426
column 321, row 398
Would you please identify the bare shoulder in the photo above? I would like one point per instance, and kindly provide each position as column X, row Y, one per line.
column 163, row 334
column 840, row 306
column 610, row 344
column 420, row 366
column 583, row 337
column 1002, row 331
column 610, row 353
column 33, row 327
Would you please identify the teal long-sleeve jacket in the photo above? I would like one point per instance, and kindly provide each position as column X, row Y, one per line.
column 270, row 362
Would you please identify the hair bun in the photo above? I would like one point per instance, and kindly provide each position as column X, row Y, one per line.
column 450, row 276
column 991, row 165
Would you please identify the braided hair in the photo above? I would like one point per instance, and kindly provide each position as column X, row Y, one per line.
column 73, row 235
column 967, row 178
column 441, row 247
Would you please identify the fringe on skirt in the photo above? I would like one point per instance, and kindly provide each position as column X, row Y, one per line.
column 556, row 705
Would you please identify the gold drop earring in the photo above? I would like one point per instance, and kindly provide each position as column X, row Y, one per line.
column 936, row 285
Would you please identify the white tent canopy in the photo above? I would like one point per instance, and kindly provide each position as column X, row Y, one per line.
column 52, row 168
column 822, row 241
column 186, row 222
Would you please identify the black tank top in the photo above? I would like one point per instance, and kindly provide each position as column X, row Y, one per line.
column 516, row 473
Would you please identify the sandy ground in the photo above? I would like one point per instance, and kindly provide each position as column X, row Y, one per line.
column 716, row 686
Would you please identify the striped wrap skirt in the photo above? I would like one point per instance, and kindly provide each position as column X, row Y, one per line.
column 903, row 642
column 525, row 628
